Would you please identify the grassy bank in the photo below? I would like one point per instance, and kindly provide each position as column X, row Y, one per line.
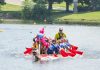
column 59, row 5
column 9, row 11
column 10, row 7
column 62, row 5
column 83, row 17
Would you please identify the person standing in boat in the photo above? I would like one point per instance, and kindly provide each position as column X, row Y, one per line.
column 41, row 40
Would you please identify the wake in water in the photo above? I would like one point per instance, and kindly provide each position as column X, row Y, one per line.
column 88, row 54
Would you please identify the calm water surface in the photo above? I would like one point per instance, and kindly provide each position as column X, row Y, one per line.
column 15, row 37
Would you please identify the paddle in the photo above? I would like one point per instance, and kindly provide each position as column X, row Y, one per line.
column 74, row 50
column 28, row 51
column 79, row 52
column 63, row 53
column 55, row 55
column 66, row 54
column 74, row 47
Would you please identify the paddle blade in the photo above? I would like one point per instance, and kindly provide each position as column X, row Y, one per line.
column 79, row 52
column 28, row 51
column 74, row 47
column 75, row 51
column 72, row 51
column 55, row 55
column 71, row 54
column 63, row 53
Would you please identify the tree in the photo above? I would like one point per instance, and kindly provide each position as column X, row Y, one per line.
column 95, row 4
column 27, row 9
column 83, row 5
column 2, row 2
column 84, row 2
column 39, row 10
column 68, row 2
column 50, row 2
column 90, row 4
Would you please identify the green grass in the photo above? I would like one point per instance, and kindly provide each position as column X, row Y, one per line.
column 10, row 7
column 62, row 5
column 79, row 17
column 63, row 17
column 59, row 5
column 85, row 16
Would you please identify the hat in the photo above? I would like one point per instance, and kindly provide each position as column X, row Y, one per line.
column 42, row 31
column 60, row 29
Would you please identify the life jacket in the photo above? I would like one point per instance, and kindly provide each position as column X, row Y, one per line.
column 35, row 45
column 60, row 35
column 52, row 46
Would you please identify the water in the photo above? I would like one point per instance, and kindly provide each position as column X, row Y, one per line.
column 15, row 37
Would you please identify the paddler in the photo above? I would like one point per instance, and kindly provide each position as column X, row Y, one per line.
column 53, row 48
column 41, row 42
column 60, row 38
column 60, row 35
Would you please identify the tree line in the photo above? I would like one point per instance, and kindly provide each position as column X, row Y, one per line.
column 41, row 9
column 2, row 2
column 87, row 4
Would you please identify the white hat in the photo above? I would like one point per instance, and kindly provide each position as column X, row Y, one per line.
column 60, row 28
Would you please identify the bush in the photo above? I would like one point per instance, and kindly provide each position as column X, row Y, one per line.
column 40, row 11
column 95, row 5
column 83, row 8
column 26, row 13
column 27, row 9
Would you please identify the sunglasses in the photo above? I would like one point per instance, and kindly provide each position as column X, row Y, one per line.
column 60, row 30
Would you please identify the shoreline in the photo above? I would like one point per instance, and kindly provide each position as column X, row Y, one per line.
column 68, row 22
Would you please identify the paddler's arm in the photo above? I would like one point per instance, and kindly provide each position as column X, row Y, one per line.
column 56, row 37
column 64, row 35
